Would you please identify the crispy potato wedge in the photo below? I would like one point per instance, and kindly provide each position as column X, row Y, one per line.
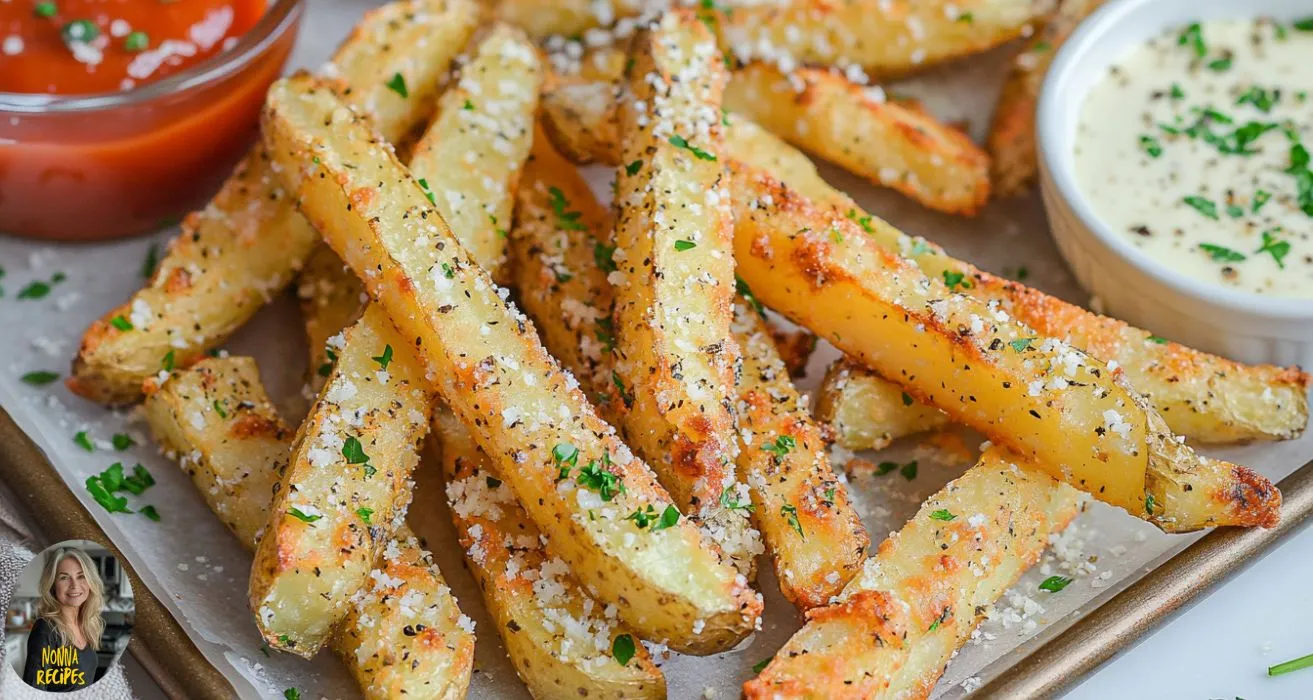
column 1011, row 140
column 236, row 254
column 582, row 118
column 216, row 419
column 559, row 639
column 331, row 299
column 1038, row 395
column 884, row 37
column 472, row 153
column 868, row 412
column 1201, row 396
column 491, row 369
column 886, row 142
column 916, row 602
column 674, row 358
column 346, row 487
column 544, row 18
column 386, row 419
column 811, row 530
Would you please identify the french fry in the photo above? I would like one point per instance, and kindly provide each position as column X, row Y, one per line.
column 565, row 291
column 675, row 360
column 884, row 37
column 867, row 412
column 561, row 642
column 563, row 462
column 582, row 118
column 886, row 142
column 1201, row 396
column 236, row 254
column 544, row 18
column 1011, row 141
column 815, row 538
column 897, row 625
column 404, row 635
column 1042, row 397
column 375, row 405
column 331, row 299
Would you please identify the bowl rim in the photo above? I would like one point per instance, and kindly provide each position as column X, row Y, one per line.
column 278, row 18
column 1057, row 162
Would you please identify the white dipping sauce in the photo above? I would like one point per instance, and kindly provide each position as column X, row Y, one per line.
column 1191, row 147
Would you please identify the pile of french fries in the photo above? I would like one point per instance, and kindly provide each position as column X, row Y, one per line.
column 618, row 431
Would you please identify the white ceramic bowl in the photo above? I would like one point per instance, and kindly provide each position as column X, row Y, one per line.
column 1132, row 285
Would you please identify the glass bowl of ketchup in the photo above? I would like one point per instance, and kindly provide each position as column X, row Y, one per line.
column 117, row 117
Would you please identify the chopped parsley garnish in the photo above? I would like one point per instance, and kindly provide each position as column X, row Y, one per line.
column 1021, row 344
column 1303, row 25
column 398, row 85
column 761, row 665
column 724, row 117
column 622, row 649
column 1148, row 503
column 80, row 31
column 121, row 323
column 734, row 503
column 81, row 440
column 327, row 368
column 1261, row 197
column 354, row 451
column 745, row 291
column 966, row 18
column 365, row 514
column 167, row 362
column 1260, row 98
column 1193, row 37
column 625, row 395
column 1203, row 205
column 642, row 518
column 1275, row 247
column 386, row 358
column 1303, row 661
column 606, row 334
column 39, row 378
column 634, row 167
column 136, row 42
column 1220, row 64
column 790, row 513
column 448, row 272
column 296, row 513
column 681, row 142
column 1041, row 47
column 105, row 497
column 604, row 256
column 781, row 446
column 907, row 399
column 468, row 106
column 863, row 221
column 908, row 470
column 1303, row 177
column 150, row 513
column 595, row 477
column 829, row 496
column 568, row 220
column 943, row 514
column 34, row 290
column 151, row 262
column 292, row 693
column 139, row 481
column 1176, row 92
column 1157, row 339
column 45, row 9
column 1221, row 253
column 424, row 186
column 1235, row 211
column 1053, row 584
column 1151, row 145
column 683, row 245
column 103, row 486
column 219, row 409
column 122, row 441
column 565, row 456
column 956, row 279
column 668, row 518
column 943, row 616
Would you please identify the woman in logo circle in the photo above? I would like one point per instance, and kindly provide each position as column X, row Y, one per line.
column 61, row 649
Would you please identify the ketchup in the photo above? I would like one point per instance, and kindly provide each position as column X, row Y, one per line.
column 74, row 47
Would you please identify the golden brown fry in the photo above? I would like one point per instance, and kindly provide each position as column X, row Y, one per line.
column 867, row 412
column 1011, row 138
column 559, row 639
column 331, row 299
column 896, row 626
column 236, row 254
column 674, row 358
column 216, row 419
column 490, row 368
column 814, row 536
column 1202, row 396
column 886, row 142
column 884, row 37
column 1070, row 413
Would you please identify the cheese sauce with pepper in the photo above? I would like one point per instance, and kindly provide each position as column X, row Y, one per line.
column 1196, row 147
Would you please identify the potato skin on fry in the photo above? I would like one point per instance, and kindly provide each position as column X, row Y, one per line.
column 899, row 622
column 868, row 412
column 559, row 639
column 216, row 419
column 498, row 379
column 236, row 254
column 891, row 144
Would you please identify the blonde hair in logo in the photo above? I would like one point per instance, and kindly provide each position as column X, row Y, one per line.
column 89, row 618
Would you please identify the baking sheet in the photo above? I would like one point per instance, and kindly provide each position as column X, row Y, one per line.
column 199, row 571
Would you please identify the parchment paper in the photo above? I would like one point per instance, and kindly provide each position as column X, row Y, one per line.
column 199, row 571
